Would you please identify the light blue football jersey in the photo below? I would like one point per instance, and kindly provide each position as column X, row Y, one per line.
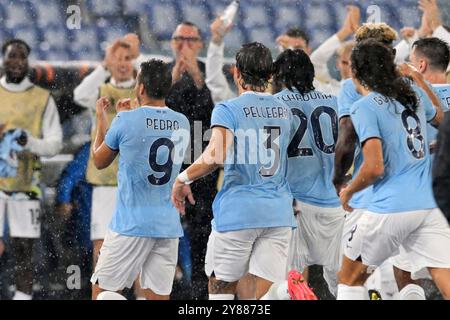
column 406, row 183
column 152, row 142
column 311, row 151
column 255, row 191
column 347, row 97
column 443, row 93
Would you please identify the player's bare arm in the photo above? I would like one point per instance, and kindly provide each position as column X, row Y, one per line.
column 409, row 71
column 103, row 155
column 211, row 159
column 371, row 169
column 344, row 152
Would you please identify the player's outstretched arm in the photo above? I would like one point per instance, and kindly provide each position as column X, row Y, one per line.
column 371, row 169
column 344, row 152
column 211, row 159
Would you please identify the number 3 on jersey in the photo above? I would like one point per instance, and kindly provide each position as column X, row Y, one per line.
column 294, row 150
column 273, row 135
column 165, row 168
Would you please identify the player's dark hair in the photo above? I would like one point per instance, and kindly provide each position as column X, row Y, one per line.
column 294, row 69
column 9, row 42
column 254, row 62
column 373, row 65
column 156, row 76
column 435, row 50
column 298, row 33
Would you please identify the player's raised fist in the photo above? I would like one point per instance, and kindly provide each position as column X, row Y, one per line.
column 101, row 105
column 123, row 105
column 407, row 32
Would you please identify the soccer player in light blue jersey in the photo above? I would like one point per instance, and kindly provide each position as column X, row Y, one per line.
column 253, row 216
column 390, row 124
column 430, row 56
column 348, row 151
column 144, row 231
column 320, row 217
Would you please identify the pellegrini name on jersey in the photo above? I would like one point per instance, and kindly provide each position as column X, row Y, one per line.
column 266, row 112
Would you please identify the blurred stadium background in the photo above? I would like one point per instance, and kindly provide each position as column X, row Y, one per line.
column 42, row 23
column 61, row 57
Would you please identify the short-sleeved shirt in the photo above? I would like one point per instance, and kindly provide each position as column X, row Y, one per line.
column 152, row 142
column 406, row 183
column 311, row 151
column 255, row 191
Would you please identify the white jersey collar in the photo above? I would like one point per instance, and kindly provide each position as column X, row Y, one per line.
column 16, row 87
column 123, row 85
column 257, row 93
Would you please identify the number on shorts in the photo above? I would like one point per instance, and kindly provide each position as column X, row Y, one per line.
column 294, row 150
column 414, row 134
column 165, row 168
column 35, row 213
column 274, row 133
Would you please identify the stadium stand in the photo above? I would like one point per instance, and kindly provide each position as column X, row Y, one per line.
column 43, row 22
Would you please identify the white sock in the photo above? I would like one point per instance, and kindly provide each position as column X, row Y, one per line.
column 19, row 295
column 412, row 292
column 223, row 296
column 277, row 291
column 110, row 295
column 345, row 292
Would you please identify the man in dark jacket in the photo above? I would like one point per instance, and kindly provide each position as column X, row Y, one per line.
column 190, row 96
column 441, row 167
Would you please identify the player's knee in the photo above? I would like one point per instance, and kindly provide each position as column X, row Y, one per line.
column 221, row 287
column 351, row 278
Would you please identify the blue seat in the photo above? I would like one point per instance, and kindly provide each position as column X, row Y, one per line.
column 198, row 14
column 56, row 55
column 163, row 18
column 286, row 17
column 55, row 38
column 109, row 30
column 409, row 17
column 319, row 35
column 105, row 8
column 264, row 35
column 255, row 16
column 84, row 39
column 49, row 14
column 4, row 36
column 19, row 14
column 30, row 35
column 134, row 7
column 318, row 15
column 235, row 38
